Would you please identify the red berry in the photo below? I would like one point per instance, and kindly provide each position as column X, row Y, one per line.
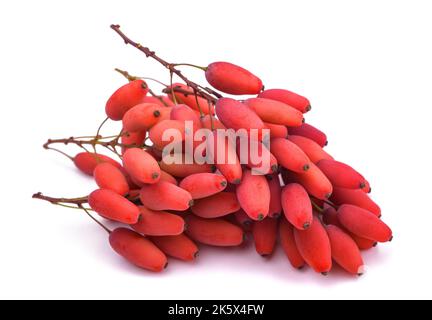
column 297, row 206
column 179, row 247
column 286, row 237
column 310, row 132
column 275, row 208
column 341, row 174
column 202, row 185
column 158, row 223
column 113, row 206
column 253, row 194
column 125, row 98
column 141, row 166
column 137, row 250
column 141, row 117
column 265, row 233
column 214, row 232
column 232, row 79
column 310, row 148
column 218, row 205
column 108, row 176
column 355, row 197
column 86, row 162
column 289, row 155
column 314, row 246
column 165, row 196
column 290, row 98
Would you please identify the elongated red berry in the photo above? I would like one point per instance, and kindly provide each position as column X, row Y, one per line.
column 236, row 115
column 345, row 251
column 179, row 247
column 265, row 234
column 232, row 79
column 158, row 223
column 137, row 250
column 275, row 208
column 214, row 232
column 310, row 148
column 289, row 155
column 286, row 238
column 297, row 206
column 141, row 117
column 211, row 123
column 313, row 180
column 288, row 97
column 165, row 196
column 253, row 194
column 86, row 162
column 255, row 155
column 125, row 98
column 141, row 166
column 308, row 131
column 341, row 174
column 132, row 140
column 330, row 216
column 179, row 168
column 113, row 206
column 276, row 130
column 185, row 94
column 108, row 176
column 202, row 185
column 182, row 112
column 364, row 223
column 355, row 197
column 314, row 246
column 275, row 112
column 218, row 205
column 222, row 152
column 165, row 176
column 166, row 132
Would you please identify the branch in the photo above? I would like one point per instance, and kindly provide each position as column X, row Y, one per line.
column 151, row 54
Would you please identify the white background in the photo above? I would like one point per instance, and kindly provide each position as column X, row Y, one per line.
column 365, row 65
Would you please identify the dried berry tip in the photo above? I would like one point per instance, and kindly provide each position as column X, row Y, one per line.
column 155, row 175
column 306, row 225
column 236, row 181
column 156, row 113
column 191, row 203
column 260, row 217
column 306, row 167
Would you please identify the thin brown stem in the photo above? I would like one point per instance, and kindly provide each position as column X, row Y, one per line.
column 95, row 220
column 171, row 67
column 76, row 201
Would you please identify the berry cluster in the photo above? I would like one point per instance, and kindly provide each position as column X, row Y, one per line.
column 316, row 207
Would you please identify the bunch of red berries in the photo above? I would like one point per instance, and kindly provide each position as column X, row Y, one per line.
column 172, row 189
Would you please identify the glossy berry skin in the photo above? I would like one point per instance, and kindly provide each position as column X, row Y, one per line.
column 214, row 232
column 265, row 234
column 355, row 197
column 236, row 115
column 297, row 206
column 142, row 167
column 218, row 205
column 288, row 97
column 113, row 206
column 157, row 132
column 165, row 196
column 275, row 112
column 287, row 240
column 182, row 112
column 313, row 180
column 330, row 216
column 137, row 250
column 125, row 98
column 275, row 208
column 364, row 223
column 345, row 251
column 141, row 117
column 314, row 246
column 276, row 130
column 341, row 174
column 181, row 169
column 228, row 164
column 165, row 176
column 202, row 185
column 211, row 123
column 179, row 247
column 308, row 131
column 253, row 194
column 108, row 176
column 289, row 155
column 132, row 140
column 232, row 79
column 158, row 223
column 86, row 162
column 310, row 148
